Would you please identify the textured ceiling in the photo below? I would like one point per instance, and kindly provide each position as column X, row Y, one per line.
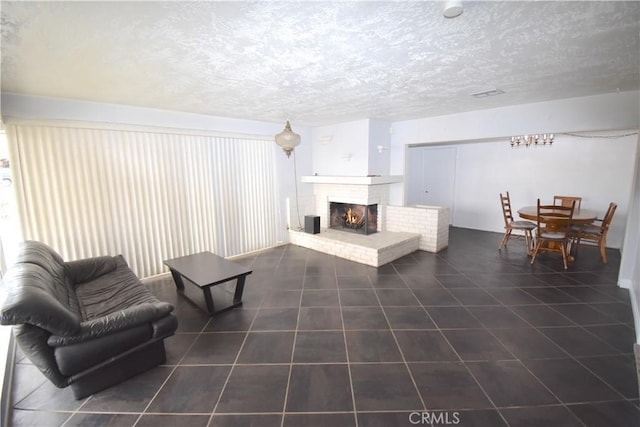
column 319, row 63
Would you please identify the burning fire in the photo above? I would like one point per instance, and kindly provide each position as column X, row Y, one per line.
column 351, row 218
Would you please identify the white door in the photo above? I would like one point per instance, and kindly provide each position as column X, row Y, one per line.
column 413, row 177
column 430, row 177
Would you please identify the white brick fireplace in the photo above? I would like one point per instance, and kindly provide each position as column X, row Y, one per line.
column 350, row 189
column 401, row 230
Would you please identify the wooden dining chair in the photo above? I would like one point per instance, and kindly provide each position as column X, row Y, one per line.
column 509, row 225
column 552, row 233
column 594, row 233
column 566, row 201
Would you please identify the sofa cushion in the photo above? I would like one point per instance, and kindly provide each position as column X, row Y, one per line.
column 29, row 298
column 112, row 292
column 87, row 269
column 127, row 318
column 75, row 358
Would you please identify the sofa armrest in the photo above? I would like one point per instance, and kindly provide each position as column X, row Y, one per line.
column 28, row 296
column 114, row 322
column 85, row 270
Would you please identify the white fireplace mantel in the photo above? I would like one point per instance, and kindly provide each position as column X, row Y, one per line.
column 352, row 180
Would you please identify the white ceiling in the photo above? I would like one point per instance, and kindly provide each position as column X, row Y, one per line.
column 319, row 63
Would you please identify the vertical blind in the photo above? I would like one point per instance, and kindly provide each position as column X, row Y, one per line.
column 147, row 194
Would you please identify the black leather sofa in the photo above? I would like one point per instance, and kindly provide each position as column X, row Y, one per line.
column 88, row 324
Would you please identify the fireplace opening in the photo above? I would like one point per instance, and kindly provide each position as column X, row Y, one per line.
column 352, row 217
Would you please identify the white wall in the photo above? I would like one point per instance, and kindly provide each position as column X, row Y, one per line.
column 331, row 144
column 599, row 171
column 484, row 155
column 601, row 112
column 31, row 107
column 359, row 141
column 629, row 268
column 379, row 134
column 593, row 113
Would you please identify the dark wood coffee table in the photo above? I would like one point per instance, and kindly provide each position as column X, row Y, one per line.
column 206, row 270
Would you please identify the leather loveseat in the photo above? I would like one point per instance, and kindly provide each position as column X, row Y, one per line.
column 88, row 324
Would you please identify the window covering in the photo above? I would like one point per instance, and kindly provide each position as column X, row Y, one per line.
column 147, row 194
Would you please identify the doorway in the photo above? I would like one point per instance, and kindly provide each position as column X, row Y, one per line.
column 431, row 177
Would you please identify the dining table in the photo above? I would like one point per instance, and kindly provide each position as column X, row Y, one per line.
column 580, row 217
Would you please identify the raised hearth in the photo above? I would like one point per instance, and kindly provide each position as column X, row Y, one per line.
column 374, row 250
column 400, row 229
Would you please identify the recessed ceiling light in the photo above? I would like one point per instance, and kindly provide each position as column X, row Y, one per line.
column 484, row 94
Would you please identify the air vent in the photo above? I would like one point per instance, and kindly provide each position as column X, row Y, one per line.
column 492, row 92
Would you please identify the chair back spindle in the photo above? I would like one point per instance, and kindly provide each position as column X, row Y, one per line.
column 505, row 202
column 509, row 225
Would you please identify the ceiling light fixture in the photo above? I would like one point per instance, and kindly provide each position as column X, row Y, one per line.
column 452, row 9
column 287, row 139
column 536, row 140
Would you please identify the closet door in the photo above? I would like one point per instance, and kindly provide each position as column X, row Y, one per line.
column 430, row 177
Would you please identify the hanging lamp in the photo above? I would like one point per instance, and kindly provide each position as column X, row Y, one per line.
column 287, row 139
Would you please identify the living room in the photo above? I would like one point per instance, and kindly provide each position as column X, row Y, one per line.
column 594, row 154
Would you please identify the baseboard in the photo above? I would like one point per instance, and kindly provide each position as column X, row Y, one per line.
column 625, row 283
column 7, row 383
column 635, row 310
column 636, row 350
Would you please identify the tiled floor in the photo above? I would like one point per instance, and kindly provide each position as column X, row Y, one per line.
column 469, row 337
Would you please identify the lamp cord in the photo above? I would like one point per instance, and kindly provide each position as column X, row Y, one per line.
column 295, row 184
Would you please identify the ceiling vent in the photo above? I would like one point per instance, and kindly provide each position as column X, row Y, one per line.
column 484, row 94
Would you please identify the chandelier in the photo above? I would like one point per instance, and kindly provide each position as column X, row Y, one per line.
column 527, row 140
column 287, row 139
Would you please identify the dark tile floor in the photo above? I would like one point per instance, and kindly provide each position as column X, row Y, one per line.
column 469, row 337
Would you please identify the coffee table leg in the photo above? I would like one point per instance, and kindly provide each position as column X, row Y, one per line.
column 237, row 296
column 208, row 300
column 177, row 278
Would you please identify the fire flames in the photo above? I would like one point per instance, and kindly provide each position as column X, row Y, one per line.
column 350, row 218
column 353, row 217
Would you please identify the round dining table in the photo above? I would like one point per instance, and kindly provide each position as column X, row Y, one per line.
column 580, row 216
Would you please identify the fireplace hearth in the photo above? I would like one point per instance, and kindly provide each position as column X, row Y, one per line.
column 355, row 218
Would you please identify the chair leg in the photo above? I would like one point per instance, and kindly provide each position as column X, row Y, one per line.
column 505, row 238
column 577, row 244
column 528, row 240
column 563, row 250
column 535, row 251
column 603, row 251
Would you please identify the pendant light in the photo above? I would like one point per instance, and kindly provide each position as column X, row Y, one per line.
column 288, row 139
